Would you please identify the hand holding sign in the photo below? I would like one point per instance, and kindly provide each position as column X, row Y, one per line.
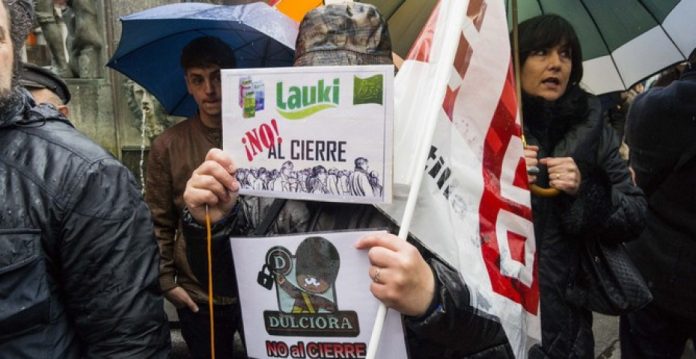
column 212, row 184
column 401, row 278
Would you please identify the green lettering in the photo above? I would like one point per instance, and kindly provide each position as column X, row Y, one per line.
column 324, row 92
column 335, row 93
column 309, row 95
column 295, row 98
column 279, row 96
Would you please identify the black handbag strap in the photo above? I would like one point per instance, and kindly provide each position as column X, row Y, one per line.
column 271, row 215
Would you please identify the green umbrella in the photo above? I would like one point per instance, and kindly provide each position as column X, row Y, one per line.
column 623, row 41
column 405, row 18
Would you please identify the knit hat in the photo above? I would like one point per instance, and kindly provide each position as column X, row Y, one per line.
column 343, row 34
column 36, row 77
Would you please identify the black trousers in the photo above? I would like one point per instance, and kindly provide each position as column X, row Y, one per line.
column 195, row 328
column 653, row 332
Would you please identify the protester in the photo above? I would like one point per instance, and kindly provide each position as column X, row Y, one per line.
column 440, row 320
column 661, row 129
column 78, row 264
column 174, row 155
column 579, row 157
column 45, row 87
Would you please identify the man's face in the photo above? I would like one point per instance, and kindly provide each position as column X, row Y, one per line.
column 205, row 87
column 6, row 54
column 363, row 165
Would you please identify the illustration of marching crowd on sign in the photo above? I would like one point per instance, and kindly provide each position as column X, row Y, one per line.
column 360, row 182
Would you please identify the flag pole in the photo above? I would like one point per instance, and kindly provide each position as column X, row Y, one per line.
column 453, row 13
column 534, row 188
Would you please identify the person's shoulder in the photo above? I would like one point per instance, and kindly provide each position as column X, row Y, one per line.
column 60, row 137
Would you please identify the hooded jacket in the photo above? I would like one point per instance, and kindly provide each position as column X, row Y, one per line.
column 660, row 130
column 451, row 329
column 78, row 262
column 607, row 204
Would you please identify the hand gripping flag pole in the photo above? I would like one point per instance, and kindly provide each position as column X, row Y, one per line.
column 454, row 13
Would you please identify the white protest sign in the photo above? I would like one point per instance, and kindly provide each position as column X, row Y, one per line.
column 308, row 296
column 315, row 133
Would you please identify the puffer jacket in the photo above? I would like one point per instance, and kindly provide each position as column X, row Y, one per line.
column 453, row 330
column 78, row 261
column 608, row 204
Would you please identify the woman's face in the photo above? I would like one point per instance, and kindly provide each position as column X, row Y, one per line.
column 546, row 72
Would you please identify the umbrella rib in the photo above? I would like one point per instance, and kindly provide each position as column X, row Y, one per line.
column 601, row 35
column 662, row 28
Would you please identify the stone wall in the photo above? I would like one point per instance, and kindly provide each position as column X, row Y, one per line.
column 99, row 106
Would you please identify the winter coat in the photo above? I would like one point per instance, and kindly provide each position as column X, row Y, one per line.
column 661, row 132
column 173, row 156
column 78, row 262
column 452, row 328
column 607, row 204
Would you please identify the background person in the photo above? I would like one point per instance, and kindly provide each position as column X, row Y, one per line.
column 45, row 87
column 661, row 129
column 173, row 156
column 579, row 154
column 78, row 264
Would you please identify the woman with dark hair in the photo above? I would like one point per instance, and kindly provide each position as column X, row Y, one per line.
column 579, row 158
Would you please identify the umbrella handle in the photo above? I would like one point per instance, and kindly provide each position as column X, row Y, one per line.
column 544, row 192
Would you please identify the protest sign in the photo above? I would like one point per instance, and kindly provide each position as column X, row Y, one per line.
column 308, row 296
column 314, row 133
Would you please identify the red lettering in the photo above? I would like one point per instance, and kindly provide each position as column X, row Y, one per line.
column 259, row 139
column 336, row 350
column 277, row 349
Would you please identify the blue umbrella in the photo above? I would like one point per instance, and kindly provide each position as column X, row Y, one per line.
column 152, row 40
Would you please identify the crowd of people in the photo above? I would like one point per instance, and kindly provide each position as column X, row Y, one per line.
column 316, row 180
column 85, row 261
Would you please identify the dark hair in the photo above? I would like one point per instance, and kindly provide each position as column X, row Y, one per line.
column 360, row 159
column 316, row 170
column 205, row 52
column 546, row 31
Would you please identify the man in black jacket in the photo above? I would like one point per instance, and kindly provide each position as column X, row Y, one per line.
column 660, row 131
column 78, row 262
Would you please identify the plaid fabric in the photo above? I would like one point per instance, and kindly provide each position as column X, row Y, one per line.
column 346, row 34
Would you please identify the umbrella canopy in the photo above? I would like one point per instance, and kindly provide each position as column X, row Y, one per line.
column 623, row 41
column 152, row 40
column 406, row 19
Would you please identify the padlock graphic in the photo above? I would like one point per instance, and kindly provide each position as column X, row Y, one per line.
column 278, row 261
column 265, row 277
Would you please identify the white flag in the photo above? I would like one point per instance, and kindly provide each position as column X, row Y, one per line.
column 474, row 207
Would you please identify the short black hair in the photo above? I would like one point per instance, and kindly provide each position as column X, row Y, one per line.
column 546, row 31
column 207, row 51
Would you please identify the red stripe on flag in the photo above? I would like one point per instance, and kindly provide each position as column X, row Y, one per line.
column 498, row 138
column 477, row 12
column 450, row 99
